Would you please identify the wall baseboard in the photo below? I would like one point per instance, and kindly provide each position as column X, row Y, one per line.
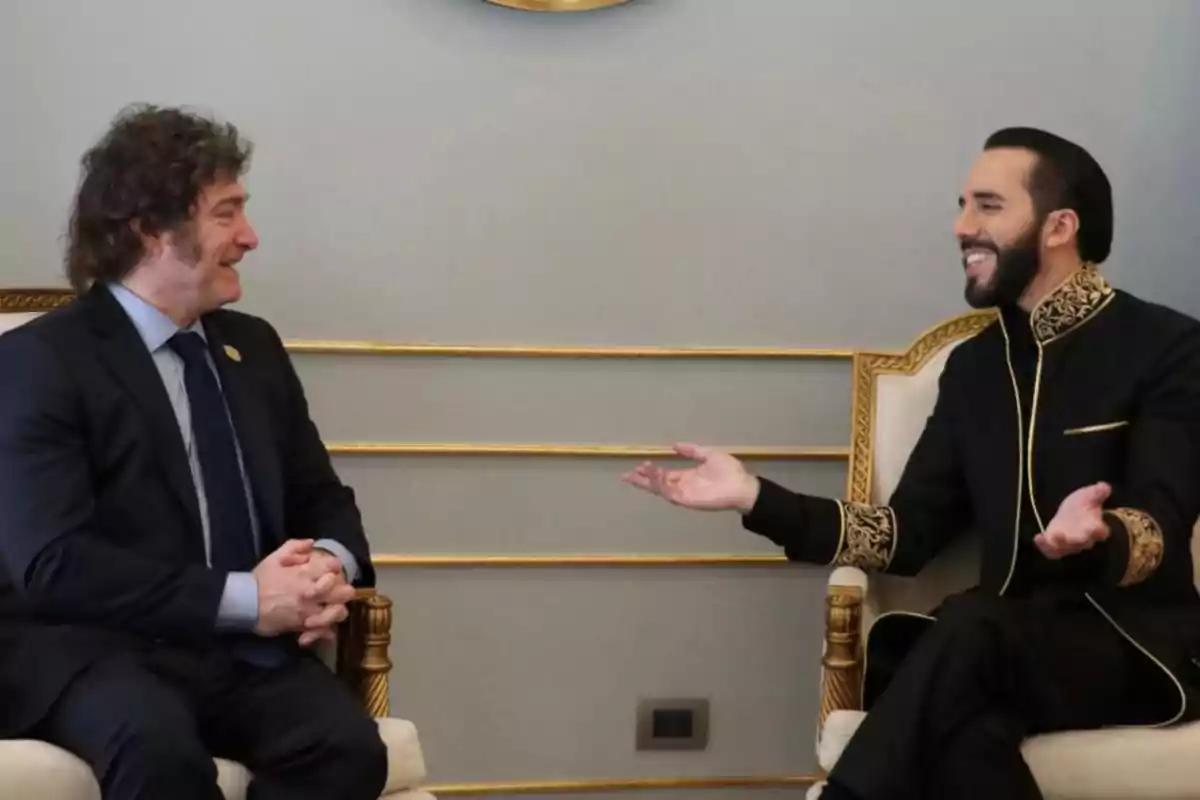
column 483, row 789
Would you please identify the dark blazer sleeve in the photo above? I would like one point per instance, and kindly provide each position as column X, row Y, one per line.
column 1155, row 504
column 49, row 547
column 317, row 505
column 929, row 507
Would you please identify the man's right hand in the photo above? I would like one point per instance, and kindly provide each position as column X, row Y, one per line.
column 289, row 594
column 718, row 481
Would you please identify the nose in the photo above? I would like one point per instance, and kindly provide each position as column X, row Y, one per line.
column 247, row 239
column 965, row 225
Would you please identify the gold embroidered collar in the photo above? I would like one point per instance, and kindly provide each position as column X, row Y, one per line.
column 1075, row 301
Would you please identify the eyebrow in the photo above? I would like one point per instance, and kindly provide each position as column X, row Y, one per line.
column 240, row 200
column 982, row 196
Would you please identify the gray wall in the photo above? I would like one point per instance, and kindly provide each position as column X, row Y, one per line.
column 715, row 172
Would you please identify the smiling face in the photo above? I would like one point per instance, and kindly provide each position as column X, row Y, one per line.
column 195, row 266
column 999, row 228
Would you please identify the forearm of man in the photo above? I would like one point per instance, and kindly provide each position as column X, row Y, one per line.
column 325, row 510
column 1147, row 529
column 238, row 609
column 319, row 505
column 66, row 569
column 1152, row 509
column 80, row 578
column 929, row 507
column 342, row 553
column 807, row 528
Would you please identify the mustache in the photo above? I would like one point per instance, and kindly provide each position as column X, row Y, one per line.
column 978, row 244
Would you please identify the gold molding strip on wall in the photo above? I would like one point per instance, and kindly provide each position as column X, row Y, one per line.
column 45, row 299
column 350, row 347
column 580, row 560
column 573, row 450
column 624, row 785
column 17, row 300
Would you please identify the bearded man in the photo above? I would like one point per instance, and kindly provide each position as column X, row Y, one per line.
column 1066, row 436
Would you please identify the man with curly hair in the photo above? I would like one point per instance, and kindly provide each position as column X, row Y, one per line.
column 174, row 540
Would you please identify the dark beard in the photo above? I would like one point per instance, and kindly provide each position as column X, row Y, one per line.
column 1016, row 266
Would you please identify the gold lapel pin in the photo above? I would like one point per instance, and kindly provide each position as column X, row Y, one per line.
column 233, row 353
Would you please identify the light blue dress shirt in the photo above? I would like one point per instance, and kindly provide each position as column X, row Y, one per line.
column 239, row 602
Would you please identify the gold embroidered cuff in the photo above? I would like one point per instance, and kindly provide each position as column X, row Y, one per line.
column 1145, row 544
column 868, row 536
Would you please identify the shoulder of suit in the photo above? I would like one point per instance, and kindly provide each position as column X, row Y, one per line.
column 242, row 323
column 987, row 336
column 64, row 321
column 49, row 342
column 1154, row 319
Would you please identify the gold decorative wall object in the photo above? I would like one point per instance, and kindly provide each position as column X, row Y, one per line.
column 556, row 5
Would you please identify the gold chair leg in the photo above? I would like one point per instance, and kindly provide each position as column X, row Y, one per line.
column 841, row 674
column 376, row 665
column 363, row 660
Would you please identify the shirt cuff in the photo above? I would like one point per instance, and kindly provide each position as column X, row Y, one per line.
column 349, row 564
column 239, row 603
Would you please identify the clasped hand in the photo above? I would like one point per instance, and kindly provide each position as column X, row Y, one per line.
column 301, row 590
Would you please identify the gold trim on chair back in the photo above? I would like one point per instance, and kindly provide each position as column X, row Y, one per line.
column 19, row 306
column 847, row 612
column 866, row 369
column 870, row 443
column 25, row 301
column 1196, row 554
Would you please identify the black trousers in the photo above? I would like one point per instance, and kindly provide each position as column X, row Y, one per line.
column 149, row 724
column 987, row 674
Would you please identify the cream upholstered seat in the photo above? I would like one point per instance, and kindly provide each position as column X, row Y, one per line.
column 30, row 768
column 893, row 396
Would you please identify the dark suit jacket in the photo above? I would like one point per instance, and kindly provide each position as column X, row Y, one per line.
column 100, row 537
column 1112, row 394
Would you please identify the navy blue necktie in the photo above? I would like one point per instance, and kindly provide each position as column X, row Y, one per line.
column 230, row 533
column 230, row 530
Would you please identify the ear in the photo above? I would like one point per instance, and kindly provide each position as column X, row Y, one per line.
column 1061, row 228
column 151, row 245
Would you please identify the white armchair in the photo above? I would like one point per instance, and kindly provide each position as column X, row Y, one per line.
column 893, row 396
column 30, row 768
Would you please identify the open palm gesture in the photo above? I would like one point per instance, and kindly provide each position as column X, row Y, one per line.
column 717, row 482
column 1078, row 525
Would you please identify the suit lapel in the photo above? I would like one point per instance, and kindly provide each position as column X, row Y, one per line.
column 125, row 355
column 251, row 420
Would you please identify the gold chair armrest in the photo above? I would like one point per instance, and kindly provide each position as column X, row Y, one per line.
column 841, row 674
column 362, row 649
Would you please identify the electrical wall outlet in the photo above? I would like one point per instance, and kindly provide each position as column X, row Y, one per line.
column 672, row 724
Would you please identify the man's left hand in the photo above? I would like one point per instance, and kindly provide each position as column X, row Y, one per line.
column 321, row 562
column 331, row 590
column 1078, row 525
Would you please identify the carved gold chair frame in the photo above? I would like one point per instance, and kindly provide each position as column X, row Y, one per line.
column 842, row 662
